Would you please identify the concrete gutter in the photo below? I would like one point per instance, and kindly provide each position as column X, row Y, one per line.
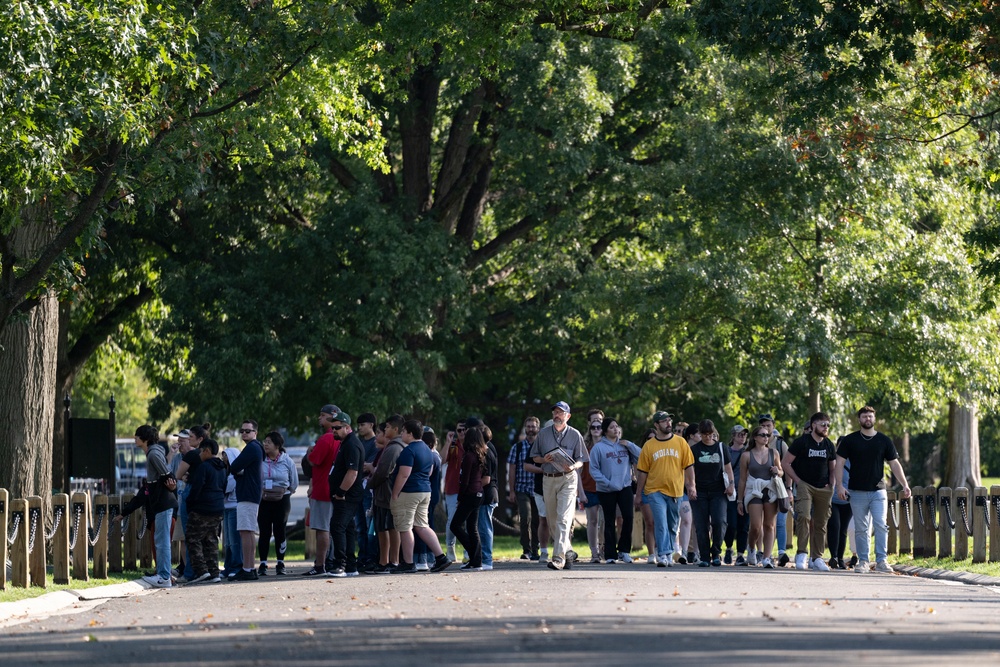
column 22, row 611
column 948, row 575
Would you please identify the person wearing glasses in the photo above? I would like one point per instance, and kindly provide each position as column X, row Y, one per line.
column 247, row 471
column 592, row 507
column 778, row 444
column 454, row 453
column 760, row 470
column 321, row 457
column 810, row 463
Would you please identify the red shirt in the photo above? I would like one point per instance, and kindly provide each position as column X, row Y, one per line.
column 322, row 457
column 451, row 475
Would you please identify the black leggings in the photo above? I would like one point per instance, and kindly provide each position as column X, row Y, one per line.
column 836, row 529
column 273, row 515
column 610, row 502
column 465, row 526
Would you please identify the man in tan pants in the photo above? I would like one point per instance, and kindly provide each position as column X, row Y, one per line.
column 810, row 462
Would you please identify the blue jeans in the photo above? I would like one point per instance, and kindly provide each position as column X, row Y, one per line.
column 182, row 513
column 666, row 516
column 780, row 531
column 161, row 542
column 486, row 531
column 451, row 503
column 234, row 548
column 869, row 509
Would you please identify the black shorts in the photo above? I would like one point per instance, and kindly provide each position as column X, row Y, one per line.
column 382, row 518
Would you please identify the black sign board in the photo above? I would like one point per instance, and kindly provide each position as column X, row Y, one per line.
column 91, row 448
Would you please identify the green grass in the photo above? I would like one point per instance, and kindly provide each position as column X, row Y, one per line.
column 13, row 594
column 991, row 569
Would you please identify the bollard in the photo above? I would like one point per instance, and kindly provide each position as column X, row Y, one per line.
column 905, row 523
column 944, row 522
column 930, row 521
column 80, row 542
column 114, row 535
column 994, row 523
column 36, row 542
column 638, row 531
column 130, row 539
column 100, row 556
column 917, row 520
column 145, row 543
column 962, row 514
column 310, row 548
column 19, row 548
column 892, row 518
column 979, row 507
column 59, row 539
column 4, row 499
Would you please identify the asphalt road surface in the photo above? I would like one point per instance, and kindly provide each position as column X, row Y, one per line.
column 524, row 614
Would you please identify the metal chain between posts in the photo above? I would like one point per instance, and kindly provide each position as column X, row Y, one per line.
column 909, row 518
column 94, row 534
column 15, row 524
column 57, row 512
column 919, row 502
column 112, row 524
column 34, row 514
column 893, row 516
column 964, row 511
column 986, row 513
column 75, row 528
column 946, row 503
column 996, row 506
column 932, row 508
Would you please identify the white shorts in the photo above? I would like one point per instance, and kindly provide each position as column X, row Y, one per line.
column 246, row 516
column 540, row 504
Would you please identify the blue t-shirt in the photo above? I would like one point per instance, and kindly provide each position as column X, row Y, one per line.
column 418, row 456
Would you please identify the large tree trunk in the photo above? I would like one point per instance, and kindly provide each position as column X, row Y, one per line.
column 963, row 446
column 28, row 370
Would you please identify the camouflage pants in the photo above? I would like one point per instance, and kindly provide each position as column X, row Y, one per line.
column 203, row 542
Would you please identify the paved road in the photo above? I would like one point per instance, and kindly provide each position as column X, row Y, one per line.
column 522, row 613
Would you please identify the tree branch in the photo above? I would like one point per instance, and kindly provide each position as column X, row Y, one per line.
column 98, row 332
column 343, row 174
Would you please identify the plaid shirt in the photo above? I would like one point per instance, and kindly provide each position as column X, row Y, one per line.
column 524, row 481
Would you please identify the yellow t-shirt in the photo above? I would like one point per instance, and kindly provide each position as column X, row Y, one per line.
column 664, row 462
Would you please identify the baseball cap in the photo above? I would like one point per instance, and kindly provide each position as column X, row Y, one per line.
column 562, row 405
column 330, row 409
column 766, row 417
column 183, row 434
column 661, row 415
column 343, row 417
column 736, row 429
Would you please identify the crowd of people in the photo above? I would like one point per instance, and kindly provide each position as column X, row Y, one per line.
column 374, row 487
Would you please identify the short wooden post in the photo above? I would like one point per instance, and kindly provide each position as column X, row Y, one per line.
column 4, row 514
column 101, row 547
column 60, row 538
column 917, row 516
column 930, row 516
column 892, row 510
column 36, row 542
column 81, row 520
column 961, row 496
column 905, row 527
column 638, row 531
column 944, row 526
column 130, row 540
column 19, row 550
column 146, row 543
column 994, row 523
column 979, row 524
column 114, row 534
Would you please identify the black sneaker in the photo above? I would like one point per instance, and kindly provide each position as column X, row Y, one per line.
column 728, row 560
column 681, row 560
column 716, row 562
column 243, row 575
column 262, row 570
column 404, row 568
column 339, row 573
column 382, row 569
column 854, row 561
column 525, row 556
column 534, row 556
column 782, row 560
column 690, row 557
column 314, row 573
column 571, row 556
column 741, row 561
column 841, row 565
column 279, row 569
column 440, row 563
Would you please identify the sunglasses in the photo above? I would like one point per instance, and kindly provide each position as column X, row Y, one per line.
column 822, row 424
column 763, row 435
column 339, row 428
column 595, row 428
column 247, row 430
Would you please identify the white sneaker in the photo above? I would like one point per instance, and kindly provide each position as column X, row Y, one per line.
column 862, row 567
column 752, row 558
column 820, row 564
column 422, row 567
column 487, row 567
column 543, row 555
column 161, row 583
column 625, row 558
column 883, row 566
column 801, row 561
column 609, row 561
column 652, row 559
column 768, row 565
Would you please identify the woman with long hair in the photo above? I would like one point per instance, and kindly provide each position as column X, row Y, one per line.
column 592, row 508
column 738, row 525
column 760, row 470
column 611, row 461
column 473, row 480
column 280, row 479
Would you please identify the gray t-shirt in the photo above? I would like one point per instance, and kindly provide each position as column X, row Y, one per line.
column 570, row 441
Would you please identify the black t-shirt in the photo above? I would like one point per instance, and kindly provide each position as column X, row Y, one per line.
column 867, row 457
column 350, row 457
column 812, row 460
column 709, row 463
column 490, row 496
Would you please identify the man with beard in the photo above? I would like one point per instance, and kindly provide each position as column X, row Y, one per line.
column 346, row 484
column 868, row 451
column 522, row 489
column 560, row 451
column 381, row 483
column 665, row 465
column 810, row 462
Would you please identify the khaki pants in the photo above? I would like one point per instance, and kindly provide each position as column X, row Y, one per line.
column 812, row 512
column 560, row 507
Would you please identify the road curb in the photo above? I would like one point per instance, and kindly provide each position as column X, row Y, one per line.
column 948, row 575
column 12, row 613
